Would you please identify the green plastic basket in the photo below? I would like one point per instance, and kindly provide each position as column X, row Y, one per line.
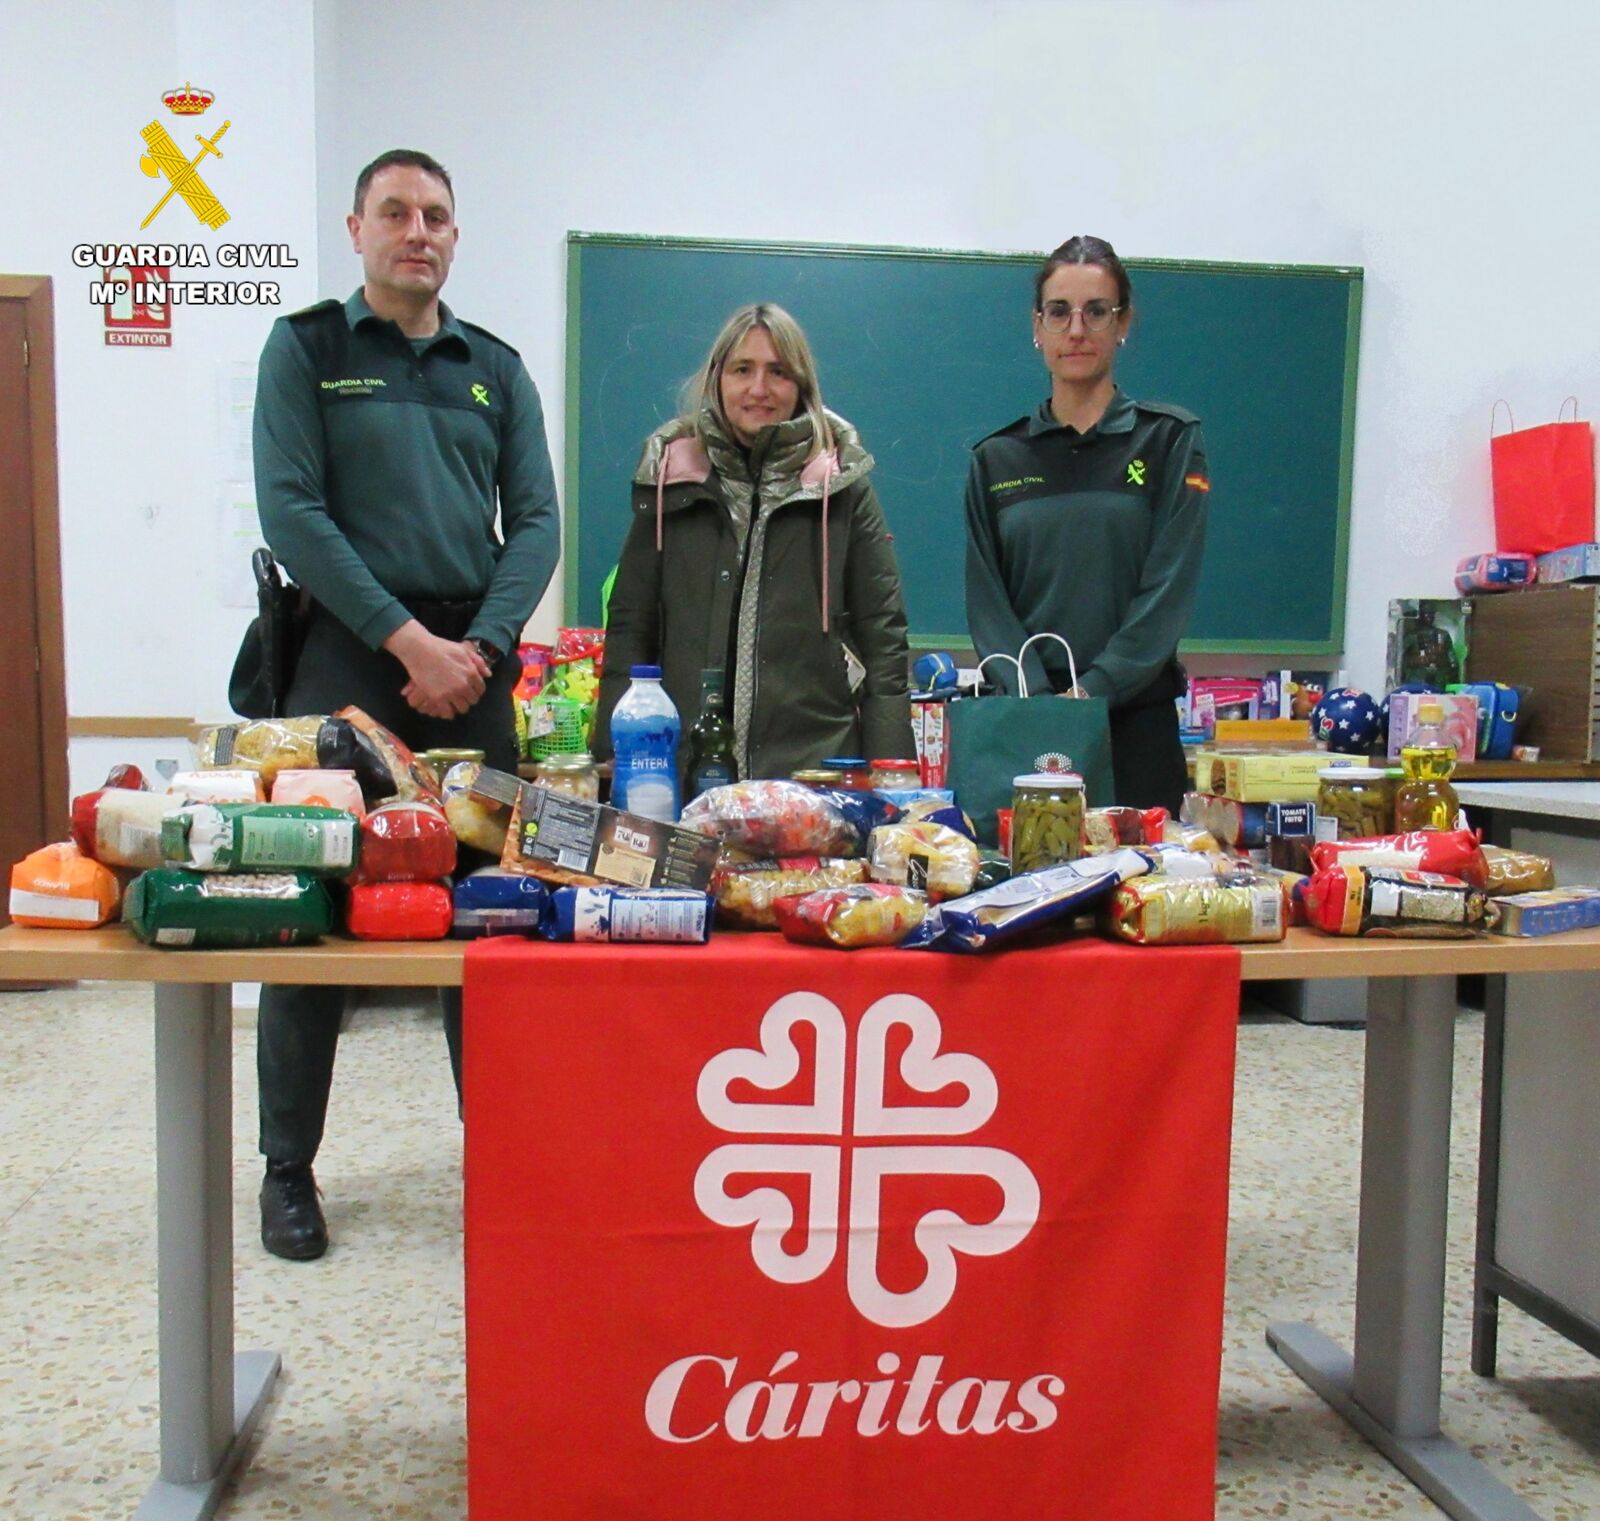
column 558, row 726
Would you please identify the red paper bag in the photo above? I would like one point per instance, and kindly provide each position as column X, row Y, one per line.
column 1543, row 485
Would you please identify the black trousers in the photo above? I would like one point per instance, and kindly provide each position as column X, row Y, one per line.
column 298, row 1027
column 1147, row 762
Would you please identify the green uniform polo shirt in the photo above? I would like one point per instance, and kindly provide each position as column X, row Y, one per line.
column 1095, row 536
column 380, row 463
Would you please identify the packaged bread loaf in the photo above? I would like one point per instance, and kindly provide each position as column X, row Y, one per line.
column 1168, row 910
column 58, row 887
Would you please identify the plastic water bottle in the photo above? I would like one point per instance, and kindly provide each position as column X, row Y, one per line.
column 644, row 740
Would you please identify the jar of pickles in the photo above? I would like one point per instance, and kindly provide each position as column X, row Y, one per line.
column 1047, row 809
column 575, row 775
column 1356, row 798
column 892, row 774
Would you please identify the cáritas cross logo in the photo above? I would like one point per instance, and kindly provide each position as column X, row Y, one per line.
column 810, row 1140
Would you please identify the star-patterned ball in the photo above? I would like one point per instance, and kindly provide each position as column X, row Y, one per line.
column 1349, row 722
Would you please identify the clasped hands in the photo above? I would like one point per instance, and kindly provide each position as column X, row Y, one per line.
column 447, row 676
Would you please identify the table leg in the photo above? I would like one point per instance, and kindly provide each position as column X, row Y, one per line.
column 210, row 1399
column 1389, row 1389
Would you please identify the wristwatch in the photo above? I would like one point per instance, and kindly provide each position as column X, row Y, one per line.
column 491, row 656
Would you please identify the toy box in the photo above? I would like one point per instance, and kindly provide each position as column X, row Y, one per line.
column 1460, row 720
column 1491, row 573
column 1577, row 562
column 1429, row 638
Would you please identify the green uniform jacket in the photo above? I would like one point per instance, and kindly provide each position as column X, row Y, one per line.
column 676, row 606
column 1095, row 536
column 379, row 466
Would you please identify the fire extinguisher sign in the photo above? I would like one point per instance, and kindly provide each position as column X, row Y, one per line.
column 137, row 316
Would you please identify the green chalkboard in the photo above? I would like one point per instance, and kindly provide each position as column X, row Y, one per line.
column 926, row 352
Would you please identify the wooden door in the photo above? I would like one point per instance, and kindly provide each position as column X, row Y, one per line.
column 32, row 689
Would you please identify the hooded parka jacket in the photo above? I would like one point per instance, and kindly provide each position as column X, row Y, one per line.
column 779, row 570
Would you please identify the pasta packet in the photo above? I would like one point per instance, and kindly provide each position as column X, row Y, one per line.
column 1165, row 910
column 1055, row 895
column 782, row 818
column 869, row 913
column 1385, row 902
column 930, row 857
column 58, row 887
column 746, row 890
column 1516, row 871
column 261, row 837
column 1107, row 829
column 382, row 760
column 1449, row 852
column 174, row 907
column 267, row 745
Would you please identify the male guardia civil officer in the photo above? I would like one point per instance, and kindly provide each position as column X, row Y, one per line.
column 387, row 431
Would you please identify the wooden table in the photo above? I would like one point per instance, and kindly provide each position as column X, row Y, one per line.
column 1388, row 1387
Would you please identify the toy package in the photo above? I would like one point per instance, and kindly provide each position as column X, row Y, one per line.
column 1498, row 572
column 1460, row 720
column 1428, row 641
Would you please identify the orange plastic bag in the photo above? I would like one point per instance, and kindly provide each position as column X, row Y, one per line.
column 58, row 887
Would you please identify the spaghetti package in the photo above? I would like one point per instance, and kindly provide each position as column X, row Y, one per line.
column 657, row 915
column 931, row 857
column 494, row 901
column 206, row 911
column 399, row 911
column 870, row 913
column 223, row 785
column 122, row 827
column 58, row 887
column 265, row 745
column 406, row 842
column 322, row 787
column 1516, row 871
column 1165, row 910
column 1447, row 852
column 1054, row 896
column 261, row 837
column 1382, row 901
column 1188, row 836
column 746, row 890
column 779, row 818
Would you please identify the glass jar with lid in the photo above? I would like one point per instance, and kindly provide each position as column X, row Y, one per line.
column 852, row 768
column 1047, row 809
column 575, row 775
column 892, row 774
column 1357, row 799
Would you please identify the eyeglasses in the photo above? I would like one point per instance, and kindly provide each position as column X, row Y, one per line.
column 1056, row 316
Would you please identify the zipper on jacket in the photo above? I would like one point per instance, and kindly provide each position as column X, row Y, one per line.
column 733, row 631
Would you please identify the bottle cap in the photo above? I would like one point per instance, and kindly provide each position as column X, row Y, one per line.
column 646, row 672
column 1068, row 779
column 1430, row 713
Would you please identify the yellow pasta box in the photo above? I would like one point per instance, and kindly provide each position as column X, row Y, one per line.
column 1251, row 777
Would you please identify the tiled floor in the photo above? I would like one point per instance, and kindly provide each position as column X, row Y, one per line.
column 368, row 1417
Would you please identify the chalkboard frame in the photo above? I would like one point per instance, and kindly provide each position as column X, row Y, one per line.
column 578, row 241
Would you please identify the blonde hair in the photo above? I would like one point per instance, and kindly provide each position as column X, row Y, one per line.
column 702, row 392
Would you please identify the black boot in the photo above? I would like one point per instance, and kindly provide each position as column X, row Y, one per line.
column 291, row 1219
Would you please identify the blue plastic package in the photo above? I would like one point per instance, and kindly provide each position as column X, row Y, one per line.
column 985, row 919
column 496, row 902
column 661, row 915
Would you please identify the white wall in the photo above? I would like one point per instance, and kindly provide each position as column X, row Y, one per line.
column 1444, row 145
column 138, row 430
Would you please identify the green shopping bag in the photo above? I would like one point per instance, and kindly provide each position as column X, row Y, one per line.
column 992, row 740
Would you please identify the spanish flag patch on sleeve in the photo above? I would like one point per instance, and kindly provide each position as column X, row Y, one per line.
column 1196, row 482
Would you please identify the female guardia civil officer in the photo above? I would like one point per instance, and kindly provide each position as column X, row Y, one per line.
column 758, row 546
column 1086, row 518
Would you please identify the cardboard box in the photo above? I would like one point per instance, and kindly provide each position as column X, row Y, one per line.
column 1545, row 640
column 1429, row 641
column 1460, row 720
column 1548, row 913
column 1577, row 562
column 572, row 841
column 928, row 726
column 1287, row 778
